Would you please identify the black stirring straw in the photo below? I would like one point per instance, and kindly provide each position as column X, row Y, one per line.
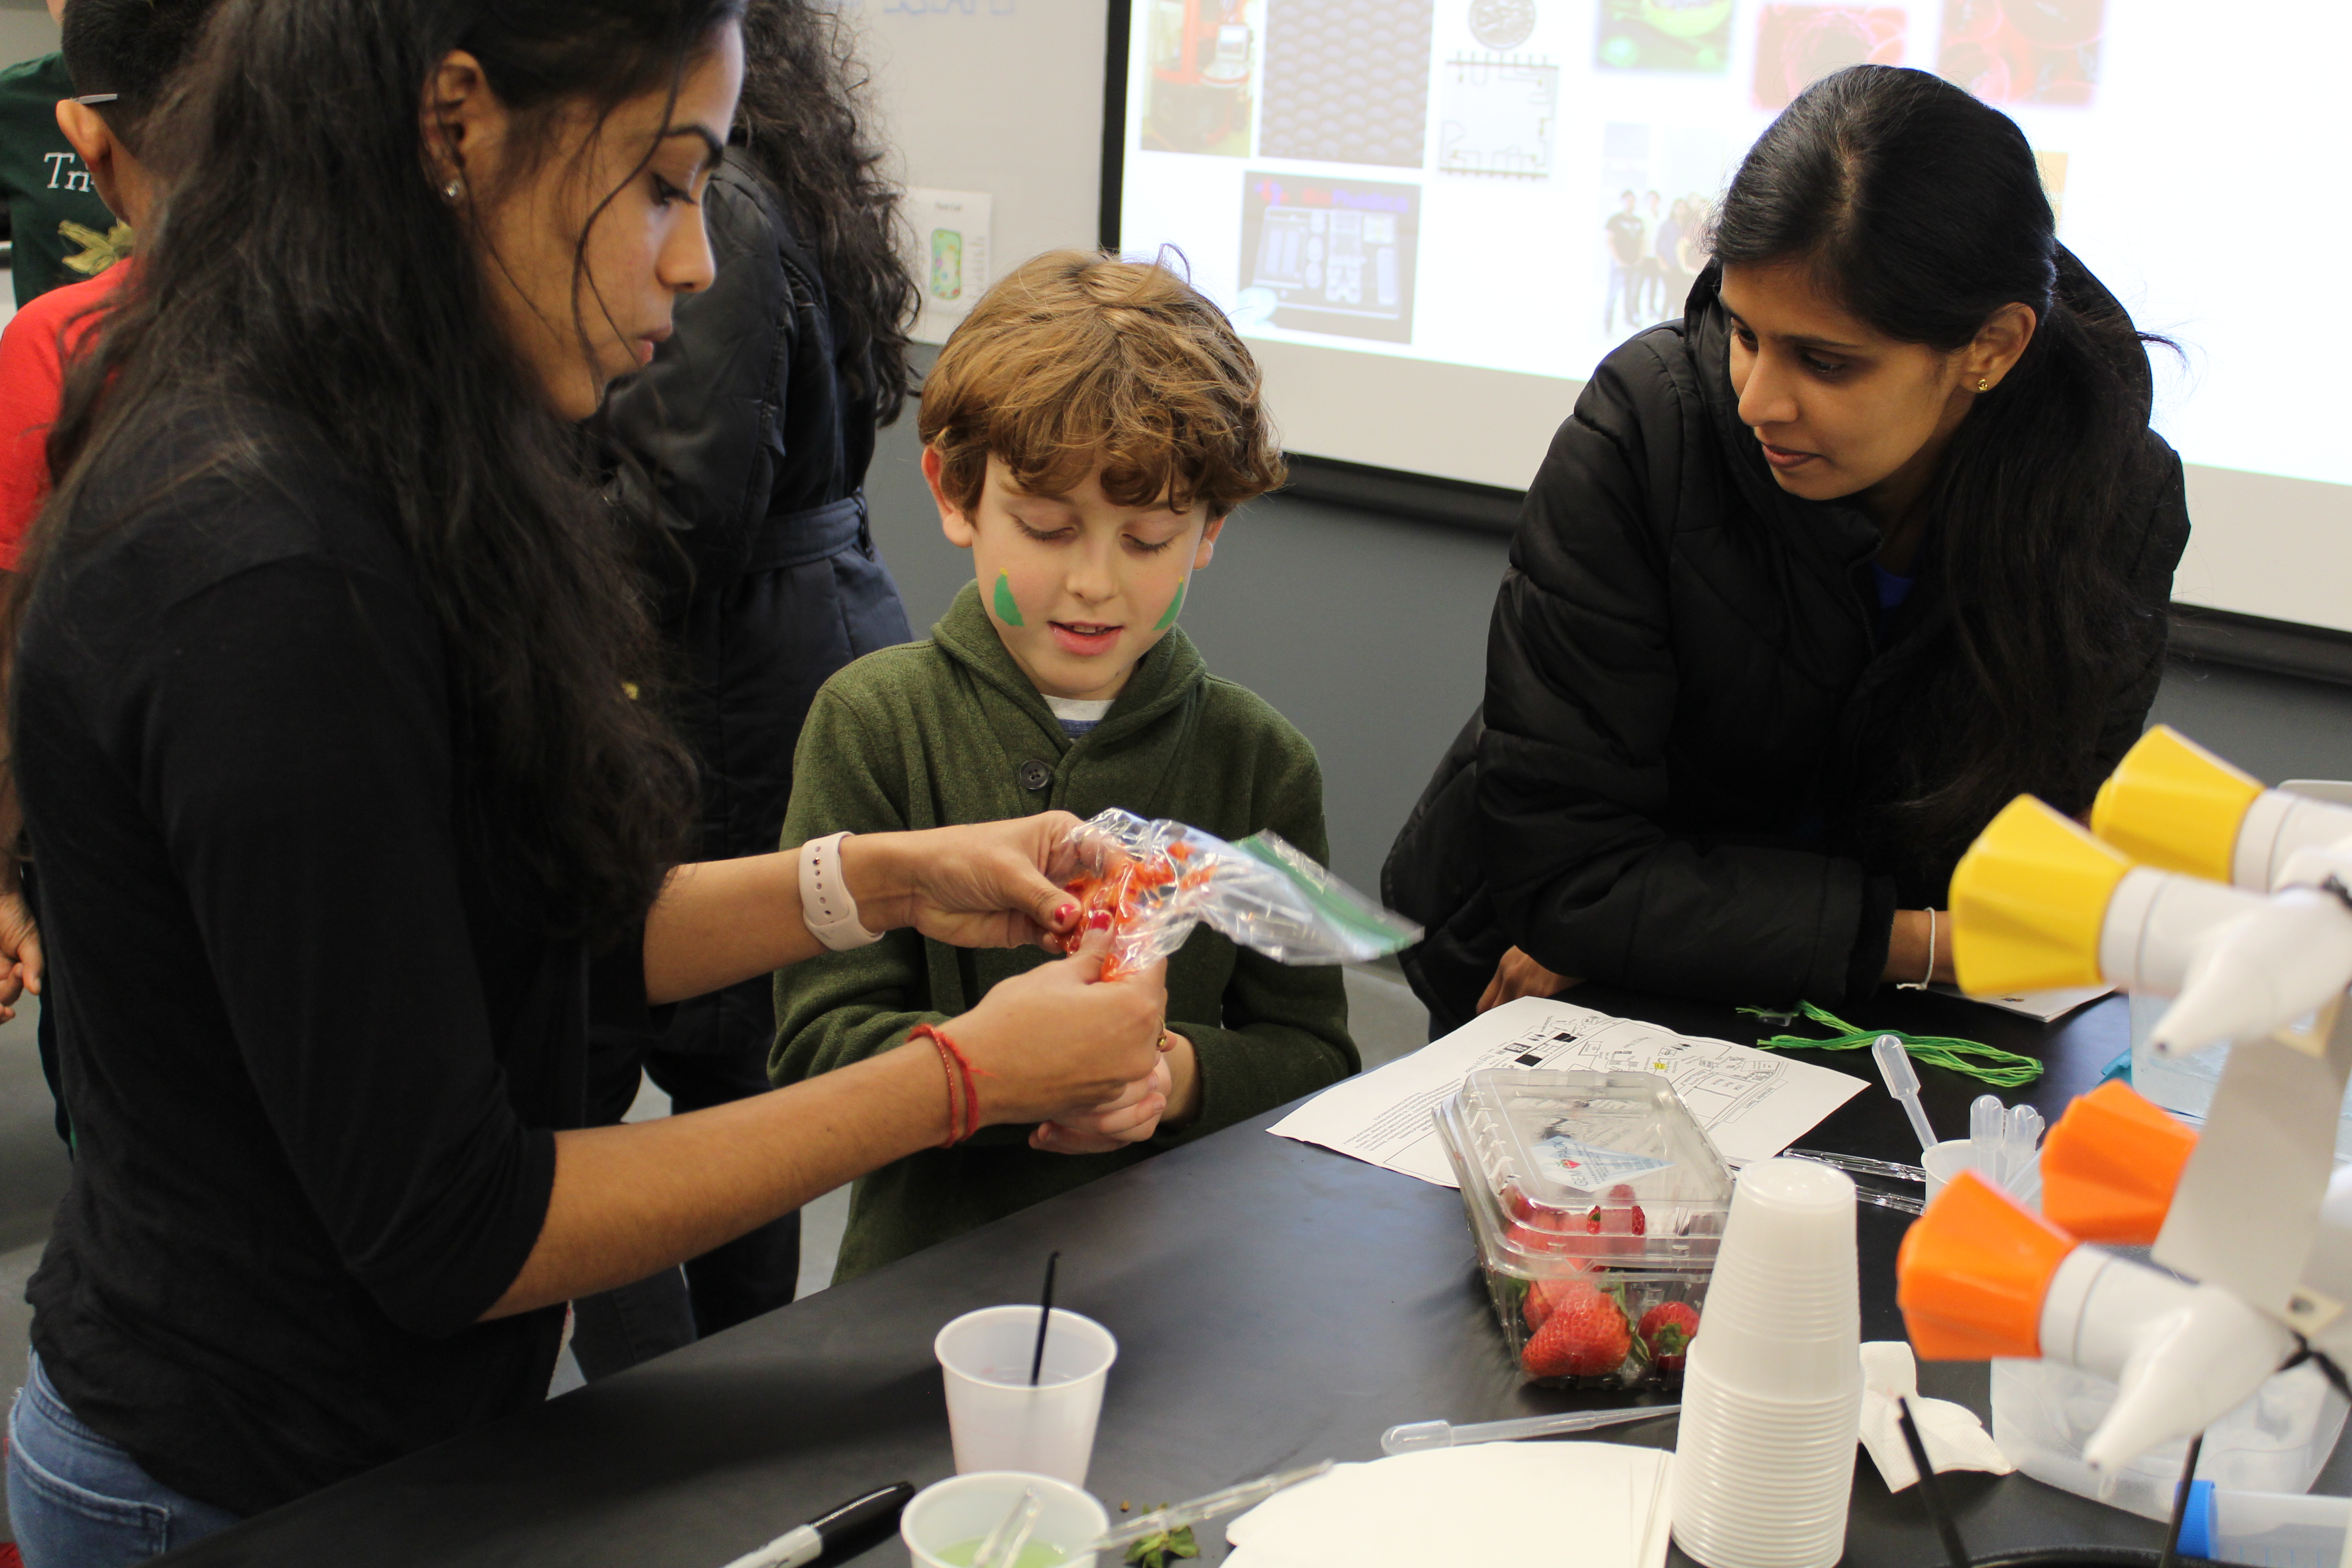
column 2180, row 1504
column 1045, row 1320
column 1931, row 1490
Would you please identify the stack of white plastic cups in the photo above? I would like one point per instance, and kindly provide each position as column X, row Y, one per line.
column 1772, row 1393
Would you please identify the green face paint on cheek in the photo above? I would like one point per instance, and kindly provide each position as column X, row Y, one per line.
column 1174, row 606
column 1006, row 610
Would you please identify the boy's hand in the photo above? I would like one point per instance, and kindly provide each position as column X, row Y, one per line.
column 992, row 884
column 1169, row 1096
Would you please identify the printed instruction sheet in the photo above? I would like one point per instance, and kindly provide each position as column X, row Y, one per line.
column 1752, row 1103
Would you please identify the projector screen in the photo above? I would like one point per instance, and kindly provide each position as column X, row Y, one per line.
column 1432, row 219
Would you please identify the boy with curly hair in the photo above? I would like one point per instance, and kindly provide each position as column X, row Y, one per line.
column 1087, row 433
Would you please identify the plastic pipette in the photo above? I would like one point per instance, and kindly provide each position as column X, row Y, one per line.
column 1862, row 1165
column 1208, row 1505
column 1903, row 1083
column 1415, row 1436
column 1988, row 1131
column 1003, row 1547
column 2022, row 1136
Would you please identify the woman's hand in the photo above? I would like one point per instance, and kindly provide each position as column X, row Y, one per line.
column 988, row 885
column 20, row 954
column 1170, row 1097
column 1519, row 976
column 1919, row 948
column 1060, row 1041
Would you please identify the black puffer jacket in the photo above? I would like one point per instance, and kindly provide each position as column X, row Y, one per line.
column 752, row 533
column 1689, row 699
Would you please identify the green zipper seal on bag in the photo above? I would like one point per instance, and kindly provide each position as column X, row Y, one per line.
column 1970, row 1058
column 1372, row 926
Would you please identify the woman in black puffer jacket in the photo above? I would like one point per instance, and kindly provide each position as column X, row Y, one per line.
column 1812, row 582
column 740, row 470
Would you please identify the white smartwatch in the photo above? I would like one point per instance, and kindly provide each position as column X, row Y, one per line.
column 826, row 908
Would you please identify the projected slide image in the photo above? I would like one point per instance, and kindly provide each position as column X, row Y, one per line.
column 1656, row 185
column 1346, row 82
column 1796, row 46
column 1202, row 58
column 1498, row 117
column 2023, row 51
column 1664, row 35
column 1502, row 25
column 1328, row 256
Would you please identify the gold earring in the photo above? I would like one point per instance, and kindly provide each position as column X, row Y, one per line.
column 1983, row 383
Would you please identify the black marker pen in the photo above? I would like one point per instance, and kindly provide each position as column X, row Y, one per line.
column 805, row 1544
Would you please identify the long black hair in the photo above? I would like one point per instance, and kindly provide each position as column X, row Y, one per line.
column 804, row 111
column 1922, row 211
column 308, row 262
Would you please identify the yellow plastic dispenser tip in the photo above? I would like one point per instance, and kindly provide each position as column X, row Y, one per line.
column 2175, row 805
column 2110, row 1166
column 2028, row 901
column 1973, row 1271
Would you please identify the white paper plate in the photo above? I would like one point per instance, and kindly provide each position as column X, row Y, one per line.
column 1504, row 1504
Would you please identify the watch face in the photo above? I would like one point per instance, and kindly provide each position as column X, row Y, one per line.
column 1502, row 25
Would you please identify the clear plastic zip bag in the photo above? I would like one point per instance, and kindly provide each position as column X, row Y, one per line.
column 1160, row 879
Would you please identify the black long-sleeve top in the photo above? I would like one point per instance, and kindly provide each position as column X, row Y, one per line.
column 1691, row 703
column 315, row 1042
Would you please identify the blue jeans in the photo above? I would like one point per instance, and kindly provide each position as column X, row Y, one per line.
column 76, row 1501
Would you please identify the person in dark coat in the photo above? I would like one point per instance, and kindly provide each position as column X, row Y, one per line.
column 1811, row 583
column 743, row 450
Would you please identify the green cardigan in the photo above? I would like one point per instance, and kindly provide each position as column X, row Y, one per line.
column 950, row 730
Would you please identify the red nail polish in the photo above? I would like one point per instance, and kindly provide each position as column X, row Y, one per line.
column 1066, row 912
column 1098, row 921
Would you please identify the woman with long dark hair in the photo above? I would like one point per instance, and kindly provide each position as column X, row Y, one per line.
column 742, row 452
column 334, row 739
column 1812, row 582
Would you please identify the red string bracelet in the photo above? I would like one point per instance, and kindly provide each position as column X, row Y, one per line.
column 963, row 1096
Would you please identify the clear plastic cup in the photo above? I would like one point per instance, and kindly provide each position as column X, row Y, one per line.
column 945, row 1523
column 1784, row 1312
column 1743, row 1497
column 1772, row 1392
column 1946, row 1161
column 998, row 1421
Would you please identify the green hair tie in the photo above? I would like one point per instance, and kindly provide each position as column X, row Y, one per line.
column 1970, row 1058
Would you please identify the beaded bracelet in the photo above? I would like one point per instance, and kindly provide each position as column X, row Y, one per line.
column 963, row 1096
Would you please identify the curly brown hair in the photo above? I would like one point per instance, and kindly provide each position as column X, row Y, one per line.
column 1077, row 360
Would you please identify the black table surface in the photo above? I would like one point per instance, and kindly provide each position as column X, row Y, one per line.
column 1275, row 1304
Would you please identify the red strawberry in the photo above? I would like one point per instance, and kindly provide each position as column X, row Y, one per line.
column 1544, row 1295
column 1585, row 1335
column 1668, row 1328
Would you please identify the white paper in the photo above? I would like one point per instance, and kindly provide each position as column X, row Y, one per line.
column 1955, row 1439
column 1752, row 1103
column 948, row 233
column 1488, row 1503
column 2042, row 1006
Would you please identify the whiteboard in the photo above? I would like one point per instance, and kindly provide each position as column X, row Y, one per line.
column 1004, row 97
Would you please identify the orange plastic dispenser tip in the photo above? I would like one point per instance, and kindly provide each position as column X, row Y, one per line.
column 2111, row 1164
column 1973, row 1273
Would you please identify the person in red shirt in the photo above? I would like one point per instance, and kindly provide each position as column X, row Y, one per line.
column 120, row 79
column 40, row 341
column 121, row 59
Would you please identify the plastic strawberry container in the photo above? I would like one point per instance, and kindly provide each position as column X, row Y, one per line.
column 1596, row 1198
